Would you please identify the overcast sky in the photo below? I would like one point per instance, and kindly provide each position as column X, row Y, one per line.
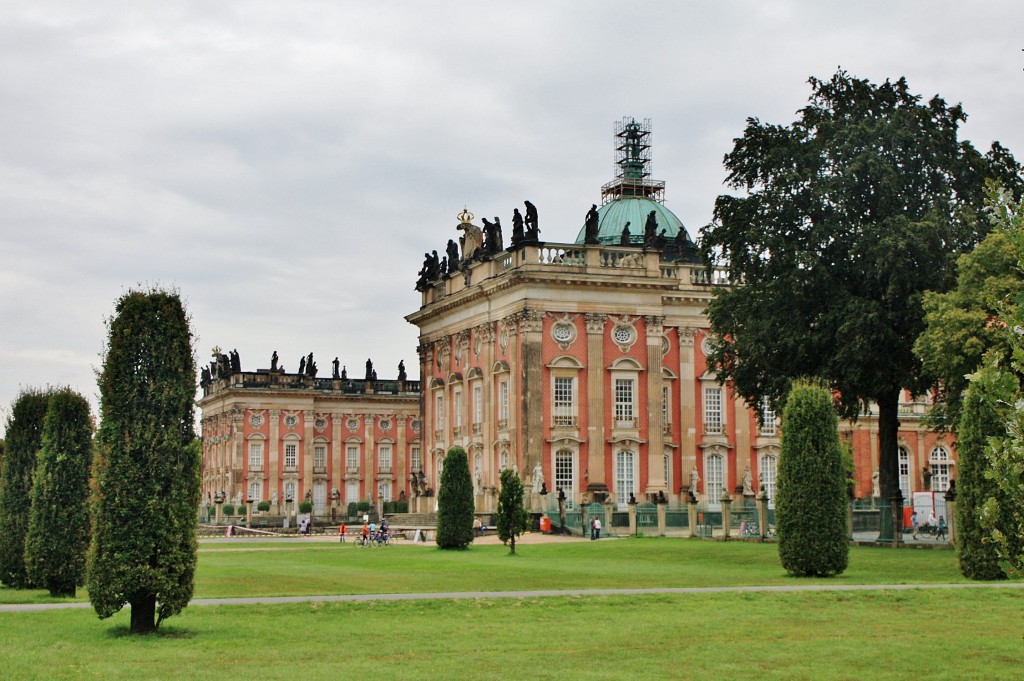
column 285, row 165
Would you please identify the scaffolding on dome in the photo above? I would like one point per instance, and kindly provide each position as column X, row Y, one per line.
column 633, row 164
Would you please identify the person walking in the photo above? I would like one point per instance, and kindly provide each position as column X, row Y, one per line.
column 597, row 528
column 341, row 533
column 913, row 524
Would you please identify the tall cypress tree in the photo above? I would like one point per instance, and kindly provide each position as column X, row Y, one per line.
column 512, row 516
column 810, row 503
column 147, row 464
column 455, row 502
column 24, row 438
column 58, row 528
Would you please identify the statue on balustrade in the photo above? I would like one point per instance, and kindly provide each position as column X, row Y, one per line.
column 273, row 361
column 532, row 225
column 518, row 236
column 590, row 225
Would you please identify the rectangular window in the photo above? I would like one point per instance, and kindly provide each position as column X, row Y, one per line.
column 565, row 401
column 291, row 455
column 904, row 469
column 565, row 478
column 769, row 473
column 384, row 452
column 385, row 491
column 439, row 412
column 352, row 457
column 351, row 491
column 457, row 409
column 713, row 410
column 319, row 458
column 666, row 409
column 256, row 457
column 503, row 460
column 503, row 403
column 624, row 412
column 416, row 460
column 767, row 417
column 319, row 497
column 255, row 492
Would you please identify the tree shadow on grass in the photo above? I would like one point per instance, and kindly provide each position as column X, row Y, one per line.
column 164, row 632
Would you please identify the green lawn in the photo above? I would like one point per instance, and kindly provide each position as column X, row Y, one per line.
column 919, row 634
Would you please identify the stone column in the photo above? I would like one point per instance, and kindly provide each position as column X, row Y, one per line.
column 632, row 518
column 726, row 513
column 687, row 417
column 761, row 500
column 274, row 455
column 595, row 402
column 531, row 372
column 691, row 516
column 661, row 520
column 655, row 399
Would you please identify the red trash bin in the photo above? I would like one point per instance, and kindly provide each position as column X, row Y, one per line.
column 545, row 524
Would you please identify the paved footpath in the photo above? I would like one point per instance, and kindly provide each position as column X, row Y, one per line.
column 29, row 607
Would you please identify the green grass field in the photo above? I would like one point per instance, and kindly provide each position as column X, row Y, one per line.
column 919, row 634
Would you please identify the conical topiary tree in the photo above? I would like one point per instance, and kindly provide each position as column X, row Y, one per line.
column 810, row 500
column 147, row 464
column 455, row 502
column 58, row 529
column 24, row 438
column 512, row 516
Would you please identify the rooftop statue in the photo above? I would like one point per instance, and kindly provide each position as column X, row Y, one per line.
column 273, row 361
column 334, row 368
column 517, row 228
column 624, row 239
column 401, row 370
column 651, row 230
column 453, row 255
column 532, row 228
column 590, row 226
column 472, row 241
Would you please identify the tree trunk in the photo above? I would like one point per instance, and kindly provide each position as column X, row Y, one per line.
column 512, row 544
column 144, row 615
column 888, row 444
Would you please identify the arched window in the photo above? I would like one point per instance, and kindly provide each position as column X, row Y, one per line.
column 903, row 457
column 942, row 467
column 768, row 474
column 714, row 479
column 625, row 477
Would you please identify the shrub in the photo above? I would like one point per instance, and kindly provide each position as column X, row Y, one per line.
column 305, row 506
column 353, row 509
column 401, row 506
column 987, row 406
column 810, row 504
column 58, row 530
column 363, row 507
column 227, row 509
column 263, row 506
column 455, row 502
column 241, row 510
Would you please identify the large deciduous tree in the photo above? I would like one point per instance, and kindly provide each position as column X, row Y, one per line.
column 512, row 516
column 58, row 529
column 147, row 464
column 963, row 324
column 455, row 502
column 24, row 438
column 847, row 216
column 810, row 501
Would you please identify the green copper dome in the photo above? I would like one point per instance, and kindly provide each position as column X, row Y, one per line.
column 613, row 216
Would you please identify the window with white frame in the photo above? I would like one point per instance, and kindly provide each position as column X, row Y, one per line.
column 667, row 461
column 416, row 460
column 503, row 403
column 713, row 410
column 625, row 413
column 502, row 459
column 666, row 408
column 352, row 457
column 351, row 491
column 768, row 474
column 439, row 412
column 625, row 477
column 289, row 491
column 319, row 497
column 478, row 406
column 714, row 479
column 256, row 457
column 941, row 467
column 767, row 417
column 565, row 401
column 384, row 456
column 385, row 491
column 291, row 455
column 319, row 458
column 903, row 457
column 255, row 491
column 565, row 475
column 457, row 409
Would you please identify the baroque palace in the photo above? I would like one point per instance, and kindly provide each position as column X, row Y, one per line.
column 582, row 365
